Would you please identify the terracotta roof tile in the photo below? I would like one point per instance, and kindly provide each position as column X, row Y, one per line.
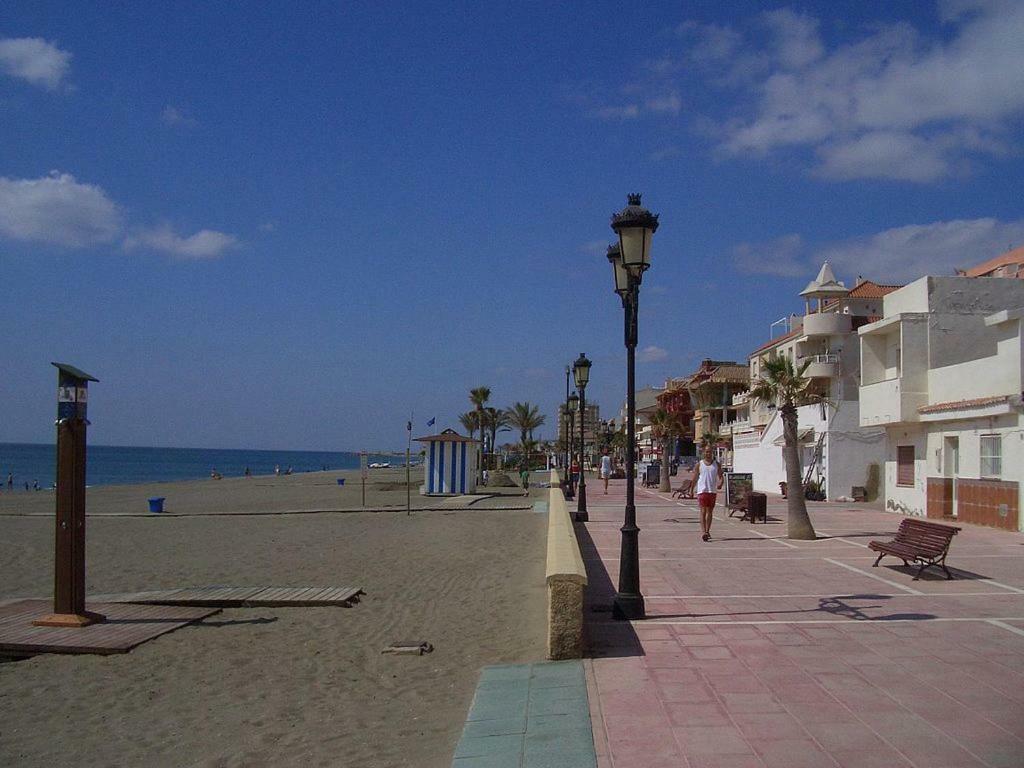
column 777, row 340
column 1016, row 256
column 867, row 289
column 956, row 405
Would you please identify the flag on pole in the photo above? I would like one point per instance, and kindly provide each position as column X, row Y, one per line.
column 431, row 422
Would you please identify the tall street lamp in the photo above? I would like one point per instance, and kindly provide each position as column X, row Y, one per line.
column 630, row 258
column 581, row 372
column 574, row 405
column 568, row 456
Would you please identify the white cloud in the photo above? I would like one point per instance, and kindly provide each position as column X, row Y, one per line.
column 894, row 255
column 669, row 103
column 173, row 115
column 891, row 154
column 889, row 103
column 268, row 226
column 595, row 247
column 795, row 37
column 783, row 257
column 651, row 354
column 205, row 244
column 909, row 252
column 57, row 209
column 34, row 60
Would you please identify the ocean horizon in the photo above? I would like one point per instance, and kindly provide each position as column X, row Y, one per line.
column 32, row 463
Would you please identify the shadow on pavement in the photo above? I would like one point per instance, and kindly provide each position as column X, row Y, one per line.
column 601, row 635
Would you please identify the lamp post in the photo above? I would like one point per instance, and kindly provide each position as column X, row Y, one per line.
column 574, row 405
column 69, row 552
column 581, row 372
column 630, row 258
column 567, row 454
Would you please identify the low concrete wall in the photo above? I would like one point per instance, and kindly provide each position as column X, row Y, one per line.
column 566, row 578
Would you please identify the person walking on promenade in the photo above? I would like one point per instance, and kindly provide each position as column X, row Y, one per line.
column 707, row 481
column 606, row 468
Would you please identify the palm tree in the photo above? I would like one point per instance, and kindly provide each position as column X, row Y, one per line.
column 478, row 397
column 495, row 420
column 784, row 385
column 666, row 427
column 526, row 418
column 469, row 421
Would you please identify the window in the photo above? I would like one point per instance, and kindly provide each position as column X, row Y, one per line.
column 905, row 465
column 991, row 455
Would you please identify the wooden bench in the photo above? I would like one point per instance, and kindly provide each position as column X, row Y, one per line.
column 918, row 541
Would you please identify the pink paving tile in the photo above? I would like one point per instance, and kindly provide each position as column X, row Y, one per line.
column 706, row 713
column 711, row 652
column 724, row 761
column 691, row 693
column 675, row 675
column 750, row 702
column 802, row 694
column 880, row 758
column 790, row 753
column 736, row 683
column 711, row 740
column 765, row 727
column 698, row 640
column 845, row 737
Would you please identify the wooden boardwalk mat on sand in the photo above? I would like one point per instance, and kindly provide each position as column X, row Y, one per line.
column 241, row 597
column 126, row 627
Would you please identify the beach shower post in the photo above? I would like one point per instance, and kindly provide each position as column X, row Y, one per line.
column 581, row 372
column 630, row 257
column 69, row 553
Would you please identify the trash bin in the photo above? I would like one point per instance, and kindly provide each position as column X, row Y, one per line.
column 757, row 506
column 341, row 481
column 157, row 505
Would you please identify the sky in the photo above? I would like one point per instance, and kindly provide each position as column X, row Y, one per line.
column 292, row 225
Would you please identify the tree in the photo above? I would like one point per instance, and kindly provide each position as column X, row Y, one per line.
column 495, row 420
column 479, row 397
column 666, row 426
column 526, row 418
column 783, row 385
column 470, row 420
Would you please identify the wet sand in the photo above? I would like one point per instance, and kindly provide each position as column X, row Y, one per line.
column 275, row 686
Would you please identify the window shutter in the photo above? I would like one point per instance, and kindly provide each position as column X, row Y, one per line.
column 904, row 465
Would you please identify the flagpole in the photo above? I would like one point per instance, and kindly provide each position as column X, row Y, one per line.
column 408, row 480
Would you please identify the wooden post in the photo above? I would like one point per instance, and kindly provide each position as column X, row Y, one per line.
column 69, row 547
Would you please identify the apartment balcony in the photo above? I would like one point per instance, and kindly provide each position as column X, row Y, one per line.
column 889, row 402
column 826, row 324
column 738, row 425
column 821, row 366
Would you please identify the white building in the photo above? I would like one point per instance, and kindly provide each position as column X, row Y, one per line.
column 943, row 372
column 836, row 450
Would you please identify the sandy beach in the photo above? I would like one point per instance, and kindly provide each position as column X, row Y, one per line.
column 275, row 686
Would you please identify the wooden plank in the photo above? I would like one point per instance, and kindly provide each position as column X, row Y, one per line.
column 127, row 626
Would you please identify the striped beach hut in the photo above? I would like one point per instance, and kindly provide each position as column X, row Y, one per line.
column 450, row 466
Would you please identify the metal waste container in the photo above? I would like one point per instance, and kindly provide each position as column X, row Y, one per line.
column 757, row 506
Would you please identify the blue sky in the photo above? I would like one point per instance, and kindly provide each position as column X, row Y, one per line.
column 285, row 225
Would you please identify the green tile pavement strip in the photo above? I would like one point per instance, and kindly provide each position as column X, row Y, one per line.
column 528, row 716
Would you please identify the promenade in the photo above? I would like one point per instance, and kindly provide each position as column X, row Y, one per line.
column 761, row 651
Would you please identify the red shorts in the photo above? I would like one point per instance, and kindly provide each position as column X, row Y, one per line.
column 706, row 499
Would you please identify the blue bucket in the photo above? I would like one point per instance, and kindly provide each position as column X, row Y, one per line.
column 341, row 481
column 157, row 505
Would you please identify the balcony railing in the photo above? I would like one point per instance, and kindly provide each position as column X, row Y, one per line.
column 821, row 366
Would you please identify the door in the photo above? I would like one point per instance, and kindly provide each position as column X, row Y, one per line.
column 951, row 464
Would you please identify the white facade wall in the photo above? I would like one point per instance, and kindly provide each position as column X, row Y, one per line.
column 946, row 341
column 907, row 500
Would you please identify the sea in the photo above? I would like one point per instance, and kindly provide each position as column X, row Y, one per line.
column 116, row 465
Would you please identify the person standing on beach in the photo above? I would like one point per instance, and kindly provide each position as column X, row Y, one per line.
column 10, row 482
column 707, row 480
column 606, row 468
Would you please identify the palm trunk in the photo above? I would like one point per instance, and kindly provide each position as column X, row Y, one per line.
column 799, row 524
column 664, row 485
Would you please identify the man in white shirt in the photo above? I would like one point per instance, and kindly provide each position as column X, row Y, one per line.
column 707, row 481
